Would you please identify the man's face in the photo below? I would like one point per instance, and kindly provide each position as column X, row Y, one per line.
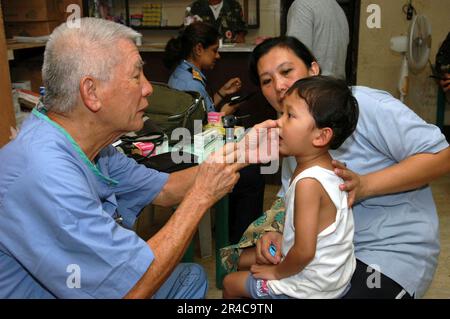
column 124, row 96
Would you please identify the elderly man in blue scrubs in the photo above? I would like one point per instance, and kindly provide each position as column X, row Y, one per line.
column 62, row 185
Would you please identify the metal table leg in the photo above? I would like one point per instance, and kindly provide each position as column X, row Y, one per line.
column 221, row 235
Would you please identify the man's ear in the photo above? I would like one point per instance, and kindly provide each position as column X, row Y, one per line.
column 89, row 94
column 314, row 69
column 323, row 137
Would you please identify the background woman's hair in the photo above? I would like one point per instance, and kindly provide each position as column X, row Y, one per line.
column 181, row 47
column 286, row 42
column 331, row 103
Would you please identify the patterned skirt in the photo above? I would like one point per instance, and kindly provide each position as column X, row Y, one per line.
column 271, row 220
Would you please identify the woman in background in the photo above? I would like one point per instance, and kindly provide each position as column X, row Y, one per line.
column 194, row 51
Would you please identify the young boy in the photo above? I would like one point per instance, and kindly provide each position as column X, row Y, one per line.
column 319, row 113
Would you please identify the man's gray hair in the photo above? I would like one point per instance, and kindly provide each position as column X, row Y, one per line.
column 75, row 52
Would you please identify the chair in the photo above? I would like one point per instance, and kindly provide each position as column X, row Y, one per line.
column 170, row 108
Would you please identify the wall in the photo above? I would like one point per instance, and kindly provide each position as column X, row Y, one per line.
column 269, row 20
column 379, row 67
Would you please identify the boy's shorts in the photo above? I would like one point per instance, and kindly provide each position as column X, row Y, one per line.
column 258, row 289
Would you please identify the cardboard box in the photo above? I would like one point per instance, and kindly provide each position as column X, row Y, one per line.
column 30, row 29
column 30, row 10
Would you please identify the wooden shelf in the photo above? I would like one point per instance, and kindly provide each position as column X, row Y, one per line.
column 24, row 45
column 168, row 27
column 13, row 45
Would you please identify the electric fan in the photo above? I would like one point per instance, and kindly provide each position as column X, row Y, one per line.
column 415, row 48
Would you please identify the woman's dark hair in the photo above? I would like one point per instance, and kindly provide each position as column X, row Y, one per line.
column 263, row 48
column 181, row 47
column 331, row 103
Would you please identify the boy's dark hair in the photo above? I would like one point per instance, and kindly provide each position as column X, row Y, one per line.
column 181, row 47
column 331, row 104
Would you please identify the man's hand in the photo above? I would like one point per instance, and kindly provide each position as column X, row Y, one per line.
column 263, row 255
column 218, row 174
column 260, row 144
column 261, row 39
column 445, row 83
column 240, row 37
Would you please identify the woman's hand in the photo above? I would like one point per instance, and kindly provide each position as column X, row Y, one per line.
column 353, row 183
column 263, row 255
column 232, row 86
column 228, row 109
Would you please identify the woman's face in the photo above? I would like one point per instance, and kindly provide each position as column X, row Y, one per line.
column 208, row 56
column 278, row 70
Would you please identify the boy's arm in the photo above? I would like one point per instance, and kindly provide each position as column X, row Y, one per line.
column 306, row 222
column 308, row 196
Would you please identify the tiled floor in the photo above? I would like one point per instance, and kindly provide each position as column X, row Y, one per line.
column 440, row 287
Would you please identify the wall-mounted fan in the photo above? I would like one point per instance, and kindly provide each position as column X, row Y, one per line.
column 415, row 47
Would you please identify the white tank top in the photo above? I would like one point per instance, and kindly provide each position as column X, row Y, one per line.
column 329, row 273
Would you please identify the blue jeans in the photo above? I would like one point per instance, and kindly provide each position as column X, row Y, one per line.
column 187, row 281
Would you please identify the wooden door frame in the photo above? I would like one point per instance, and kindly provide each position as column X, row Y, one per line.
column 7, row 116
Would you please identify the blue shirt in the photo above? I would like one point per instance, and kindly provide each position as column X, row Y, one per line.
column 398, row 233
column 187, row 77
column 57, row 212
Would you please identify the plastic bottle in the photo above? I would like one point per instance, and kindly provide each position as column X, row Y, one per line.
column 42, row 93
column 41, row 105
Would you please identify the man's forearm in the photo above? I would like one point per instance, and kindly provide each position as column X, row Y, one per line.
column 176, row 187
column 169, row 244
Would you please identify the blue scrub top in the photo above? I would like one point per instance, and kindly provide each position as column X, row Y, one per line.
column 187, row 77
column 58, row 237
column 398, row 234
